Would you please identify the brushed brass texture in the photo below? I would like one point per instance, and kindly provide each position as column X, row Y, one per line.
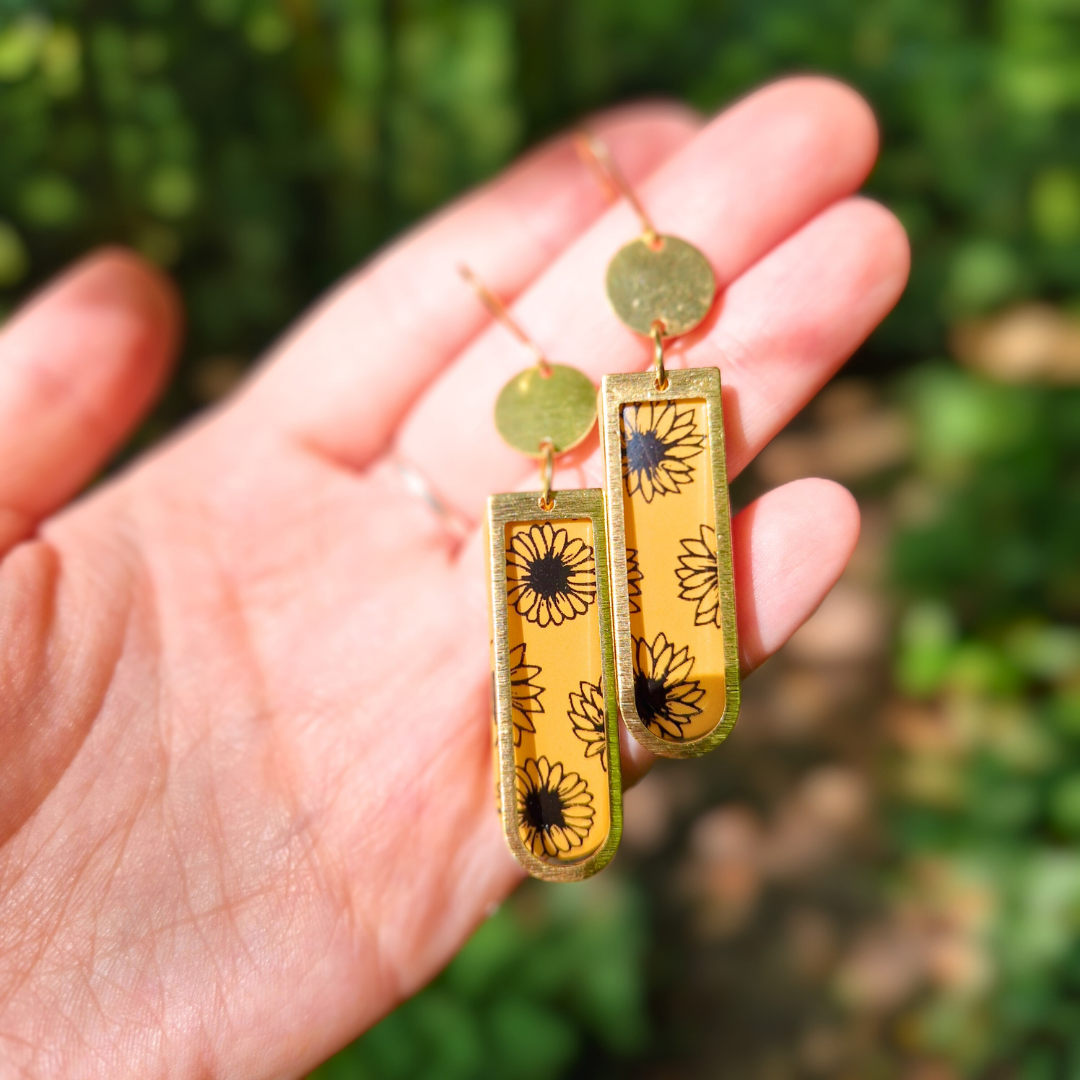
column 557, row 405
column 668, row 282
column 503, row 510
column 688, row 385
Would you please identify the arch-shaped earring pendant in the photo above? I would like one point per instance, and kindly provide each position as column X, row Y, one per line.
column 556, row 726
column 666, row 490
column 672, row 581
column 556, row 720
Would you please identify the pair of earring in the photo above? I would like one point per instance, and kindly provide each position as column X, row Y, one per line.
column 617, row 600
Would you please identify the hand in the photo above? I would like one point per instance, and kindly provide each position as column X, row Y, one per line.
column 245, row 788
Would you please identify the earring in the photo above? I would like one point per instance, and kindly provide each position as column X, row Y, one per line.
column 553, row 671
column 666, row 494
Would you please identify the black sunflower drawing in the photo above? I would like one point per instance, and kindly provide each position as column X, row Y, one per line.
column 659, row 442
column 550, row 578
column 699, row 578
column 665, row 695
column 524, row 692
column 554, row 807
column 633, row 581
column 588, row 720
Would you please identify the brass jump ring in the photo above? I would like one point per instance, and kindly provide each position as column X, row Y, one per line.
column 657, row 334
column 547, row 473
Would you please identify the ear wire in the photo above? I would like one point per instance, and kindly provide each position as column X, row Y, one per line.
column 498, row 309
column 596, row 156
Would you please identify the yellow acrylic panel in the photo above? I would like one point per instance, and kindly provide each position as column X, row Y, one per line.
column 676, row 651
column 556, row 726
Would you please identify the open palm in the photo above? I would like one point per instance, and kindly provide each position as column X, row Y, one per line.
column 245, row 788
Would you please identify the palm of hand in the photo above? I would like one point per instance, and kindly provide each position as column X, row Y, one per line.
column 247, row 802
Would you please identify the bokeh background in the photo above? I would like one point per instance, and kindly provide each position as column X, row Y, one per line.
column 878, row 876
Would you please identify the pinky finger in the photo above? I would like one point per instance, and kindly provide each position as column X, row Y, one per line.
column 790, row 548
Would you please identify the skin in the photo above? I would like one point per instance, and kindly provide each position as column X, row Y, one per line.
column 245, row 800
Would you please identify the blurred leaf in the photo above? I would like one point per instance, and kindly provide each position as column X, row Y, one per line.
column 1044, row 651
column 49, row 200
column 171, row 191
column 20, row 46
column 13, row 257
column 984, row 274
column 927, row 643
column 1065, row 805
column 1055, row 206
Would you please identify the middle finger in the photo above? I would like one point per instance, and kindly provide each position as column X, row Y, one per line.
column 753, row 177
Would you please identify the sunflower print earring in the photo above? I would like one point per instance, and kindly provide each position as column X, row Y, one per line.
column 666, row 495
column 551, row 577
column 556, row 723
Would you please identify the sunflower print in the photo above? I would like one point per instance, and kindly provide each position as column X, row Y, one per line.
column 699, row 578
column 659, row 442
column 634, row 577
column 589, row 722
column 524, row 693
column 550, row 578
column 665, row 695
column 554, row 807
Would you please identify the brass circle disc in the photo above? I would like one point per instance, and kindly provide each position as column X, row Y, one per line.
column 533, row 406
column 672, row 283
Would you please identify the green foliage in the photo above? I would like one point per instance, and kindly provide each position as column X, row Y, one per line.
column 259, row 148
column 992, row 560
column 999, row 506
column 256, row 149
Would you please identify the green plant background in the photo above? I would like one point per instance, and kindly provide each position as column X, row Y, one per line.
column 260, row 148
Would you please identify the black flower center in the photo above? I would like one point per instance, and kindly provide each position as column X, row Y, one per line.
column 549, row 576
column 544, row 809
column 644, row 452
column 650, row 696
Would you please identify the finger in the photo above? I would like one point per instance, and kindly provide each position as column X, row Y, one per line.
column 342, row 380
column 790, row 548
column 634, row 760
column 788, row 324
column 792, row 320
column 784, row 328
column 755, row 176
column 78, row 368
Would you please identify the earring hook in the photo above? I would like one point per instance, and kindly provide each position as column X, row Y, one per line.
column 596, row 156
column 498, row 309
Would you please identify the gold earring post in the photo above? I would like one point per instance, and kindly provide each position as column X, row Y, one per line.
column 596, row 156
column 498, row 309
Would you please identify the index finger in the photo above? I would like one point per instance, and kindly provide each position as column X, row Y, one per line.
column 344, row 377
